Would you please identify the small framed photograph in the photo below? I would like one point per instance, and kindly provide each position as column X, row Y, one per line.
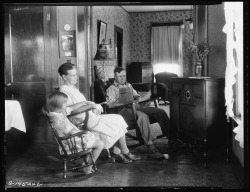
column 102, row 33
column 67, row 44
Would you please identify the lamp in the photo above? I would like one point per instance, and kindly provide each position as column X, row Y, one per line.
column 102, row 55
column 102, row 52
column 189, row 22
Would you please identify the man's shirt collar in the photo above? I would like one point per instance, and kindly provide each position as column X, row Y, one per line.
column 119, row 85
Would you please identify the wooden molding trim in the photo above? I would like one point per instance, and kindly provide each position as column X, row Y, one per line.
column 238, row 169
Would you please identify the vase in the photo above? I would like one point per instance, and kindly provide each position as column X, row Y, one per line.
column 198, row 68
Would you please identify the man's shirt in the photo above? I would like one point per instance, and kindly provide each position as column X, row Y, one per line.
column 113, row 92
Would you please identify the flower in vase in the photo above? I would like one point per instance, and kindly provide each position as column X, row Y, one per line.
column 201, row 50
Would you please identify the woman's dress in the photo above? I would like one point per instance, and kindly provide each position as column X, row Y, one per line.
column 108, row 127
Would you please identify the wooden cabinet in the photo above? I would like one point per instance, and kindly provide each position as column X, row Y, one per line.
column 140, row 72
column 197, row 111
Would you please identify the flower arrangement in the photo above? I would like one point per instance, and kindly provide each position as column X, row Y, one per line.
column 200, row 50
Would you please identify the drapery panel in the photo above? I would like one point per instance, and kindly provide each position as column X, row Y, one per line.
column 234, row 31
column 166, row 49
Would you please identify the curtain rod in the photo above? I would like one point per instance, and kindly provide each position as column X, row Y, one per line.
column 166, row 24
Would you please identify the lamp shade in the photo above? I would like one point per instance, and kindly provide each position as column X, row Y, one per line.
column 102, row 52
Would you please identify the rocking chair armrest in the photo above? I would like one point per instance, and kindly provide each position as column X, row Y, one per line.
column 152, row 99
column 130, row 105
column 144, row 101
column 46, row 112
column 103, row 104
column 73, row 114
column 123, row 105
column 163, row 85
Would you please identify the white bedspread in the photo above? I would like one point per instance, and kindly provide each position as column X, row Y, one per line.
column 14, row 116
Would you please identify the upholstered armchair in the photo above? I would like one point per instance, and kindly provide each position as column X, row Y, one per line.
column 163, row 84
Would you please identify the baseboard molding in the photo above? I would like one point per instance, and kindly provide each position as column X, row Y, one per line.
column 238, row 168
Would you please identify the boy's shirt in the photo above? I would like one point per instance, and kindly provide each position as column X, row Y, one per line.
column 121, row 93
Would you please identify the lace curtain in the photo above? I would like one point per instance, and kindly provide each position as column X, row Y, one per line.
column 166, row 49
column 234, row 31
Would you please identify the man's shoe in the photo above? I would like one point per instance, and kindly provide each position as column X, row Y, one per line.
column 154, row 153
column 132, row 157
column 119, row 158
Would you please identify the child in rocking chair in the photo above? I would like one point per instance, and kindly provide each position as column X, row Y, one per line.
column 58, row 112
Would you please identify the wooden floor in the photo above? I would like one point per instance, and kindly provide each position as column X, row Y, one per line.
column 39, row 165
column 36, row 164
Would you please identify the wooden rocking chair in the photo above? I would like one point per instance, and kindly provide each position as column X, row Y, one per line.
column 71, row 154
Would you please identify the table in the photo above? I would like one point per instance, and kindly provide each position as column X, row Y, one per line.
column 14, row 116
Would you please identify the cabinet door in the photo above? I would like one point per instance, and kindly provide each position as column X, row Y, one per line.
column 174, row 109
column 192, row 112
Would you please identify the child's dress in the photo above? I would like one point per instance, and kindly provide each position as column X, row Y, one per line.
column 63, row 126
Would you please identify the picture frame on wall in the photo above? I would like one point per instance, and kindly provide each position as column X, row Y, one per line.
column 102, row 32
column 67, row 43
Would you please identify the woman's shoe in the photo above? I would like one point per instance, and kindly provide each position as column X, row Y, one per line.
column 154, row 153
column 120, row 158
column 88, row 170
column 132, row 157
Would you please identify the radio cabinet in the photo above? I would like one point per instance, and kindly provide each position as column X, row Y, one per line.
column 197, row 112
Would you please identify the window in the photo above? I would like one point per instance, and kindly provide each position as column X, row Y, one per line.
column 166, row 49
column 234, row 69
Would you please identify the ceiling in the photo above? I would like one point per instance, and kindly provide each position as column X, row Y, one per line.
column 148, row 8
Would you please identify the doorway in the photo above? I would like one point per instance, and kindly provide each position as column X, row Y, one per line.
column 118, row 42
column 27, row 63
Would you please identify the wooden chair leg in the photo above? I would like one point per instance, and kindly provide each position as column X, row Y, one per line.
column 64, row 168
column 86, row 159
column 93, row 162
column 108, row 153
column 171, row 143
column 139, row 136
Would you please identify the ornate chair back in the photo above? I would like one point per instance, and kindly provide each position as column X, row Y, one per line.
column 69, row 149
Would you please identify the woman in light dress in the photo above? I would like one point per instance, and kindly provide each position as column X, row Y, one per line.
column 110, row 128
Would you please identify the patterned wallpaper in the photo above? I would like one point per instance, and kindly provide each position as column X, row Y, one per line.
column 140, row 35
column 136, row 34
column 112, row 15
